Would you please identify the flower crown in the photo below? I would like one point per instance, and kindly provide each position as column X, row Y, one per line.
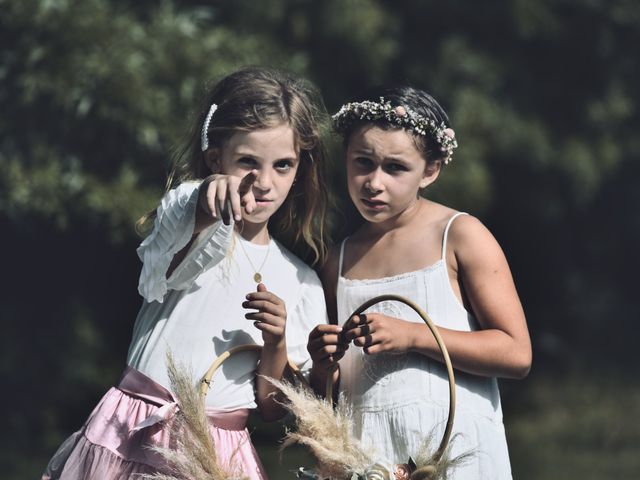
column 402, row 117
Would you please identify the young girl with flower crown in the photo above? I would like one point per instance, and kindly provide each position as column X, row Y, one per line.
column 397, row 141
column 213, row 277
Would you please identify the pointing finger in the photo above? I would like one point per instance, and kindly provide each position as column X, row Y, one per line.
column 247, row 181
column 236, row 208
column 211, row 199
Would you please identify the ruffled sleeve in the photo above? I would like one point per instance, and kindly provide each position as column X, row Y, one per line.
column 172, row 230
column 310, row 311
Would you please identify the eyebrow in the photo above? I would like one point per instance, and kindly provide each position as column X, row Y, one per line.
column 366, row 151
column 249, row 153
column 245, row 153
column 393, row 157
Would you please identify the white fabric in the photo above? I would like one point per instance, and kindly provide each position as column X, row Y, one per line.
column 198, row 312
column 398, row 399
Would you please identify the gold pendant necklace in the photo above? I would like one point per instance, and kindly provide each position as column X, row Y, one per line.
column 257, row 277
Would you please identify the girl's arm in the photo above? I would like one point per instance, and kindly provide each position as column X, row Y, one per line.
column 270, row 318
column 501, row 348
column 326, row 345
column 215, row 195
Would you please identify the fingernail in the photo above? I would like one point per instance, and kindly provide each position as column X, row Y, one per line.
column 338, row 329
column 238, row 218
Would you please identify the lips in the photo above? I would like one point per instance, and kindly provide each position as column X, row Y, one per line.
column 261, row 202
column 373, row 204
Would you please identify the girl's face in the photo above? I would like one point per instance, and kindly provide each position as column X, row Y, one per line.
column 385, row 170
column 270, row 151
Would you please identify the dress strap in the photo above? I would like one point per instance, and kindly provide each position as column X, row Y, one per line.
column 446, row 233
column 341, row 257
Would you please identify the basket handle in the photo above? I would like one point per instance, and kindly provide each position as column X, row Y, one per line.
column 443, row 349
column 205, row 382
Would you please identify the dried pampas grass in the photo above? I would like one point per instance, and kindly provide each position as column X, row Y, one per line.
column 432, row 465
column 326, row 432
column 194, row 456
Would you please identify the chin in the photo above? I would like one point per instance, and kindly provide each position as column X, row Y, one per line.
column 378, row 216
column 260, row 216
column 373, row 217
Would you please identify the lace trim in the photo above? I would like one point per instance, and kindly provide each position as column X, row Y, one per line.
column 392, row 278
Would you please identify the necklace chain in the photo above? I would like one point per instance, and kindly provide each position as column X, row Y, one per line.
column 257, row 276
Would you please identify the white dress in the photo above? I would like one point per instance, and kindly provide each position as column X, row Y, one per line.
column 197, row 312
column 398, row 399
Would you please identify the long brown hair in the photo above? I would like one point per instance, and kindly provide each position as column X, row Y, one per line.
column 256, row 98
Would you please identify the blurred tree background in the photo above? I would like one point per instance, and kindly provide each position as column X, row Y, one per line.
column 543, row 96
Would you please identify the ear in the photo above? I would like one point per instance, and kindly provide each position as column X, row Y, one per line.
column 431, row 173
column 212, row 159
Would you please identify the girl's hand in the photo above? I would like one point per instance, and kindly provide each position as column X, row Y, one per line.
column 218, row 191
column 271, row 317
column 379, row 333
column 326, row 345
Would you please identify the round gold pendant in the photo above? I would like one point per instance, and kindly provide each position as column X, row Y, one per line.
column 257, row 277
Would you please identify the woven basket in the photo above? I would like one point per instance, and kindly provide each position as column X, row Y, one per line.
column 443, row 349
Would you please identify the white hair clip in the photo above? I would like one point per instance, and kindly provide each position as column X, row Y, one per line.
column 204, row 141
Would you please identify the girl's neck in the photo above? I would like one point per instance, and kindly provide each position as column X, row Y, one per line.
column 253, row 232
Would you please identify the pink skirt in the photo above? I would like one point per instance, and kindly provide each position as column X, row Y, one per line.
column 110, row 447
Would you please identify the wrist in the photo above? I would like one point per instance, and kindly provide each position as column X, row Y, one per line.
column 320, row 375
column 318, row 369
column 275, row 346
column 416, row 334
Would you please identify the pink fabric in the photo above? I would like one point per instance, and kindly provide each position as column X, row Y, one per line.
column 107, row 447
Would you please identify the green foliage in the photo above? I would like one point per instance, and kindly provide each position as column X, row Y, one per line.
column 576, row 426
column 95, row 94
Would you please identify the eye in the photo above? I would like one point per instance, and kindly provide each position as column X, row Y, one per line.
column 363, row 162
column 283, row 166
column 395, row 167
column 247, row 162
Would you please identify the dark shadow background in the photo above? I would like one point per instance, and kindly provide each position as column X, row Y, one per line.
column 544, row 99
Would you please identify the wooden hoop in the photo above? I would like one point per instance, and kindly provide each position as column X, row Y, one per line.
column 205, row 382
column 443, row 349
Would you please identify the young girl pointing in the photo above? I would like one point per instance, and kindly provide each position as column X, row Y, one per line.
column 213, row 277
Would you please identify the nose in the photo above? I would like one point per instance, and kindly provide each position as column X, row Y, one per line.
column 374, row 182
column 263, row 180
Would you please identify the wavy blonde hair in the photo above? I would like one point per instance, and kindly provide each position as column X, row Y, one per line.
column 257, row 98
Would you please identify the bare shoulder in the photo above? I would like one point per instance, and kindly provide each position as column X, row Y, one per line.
column 436, row 215
column 471, row 241
column 467, row 227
